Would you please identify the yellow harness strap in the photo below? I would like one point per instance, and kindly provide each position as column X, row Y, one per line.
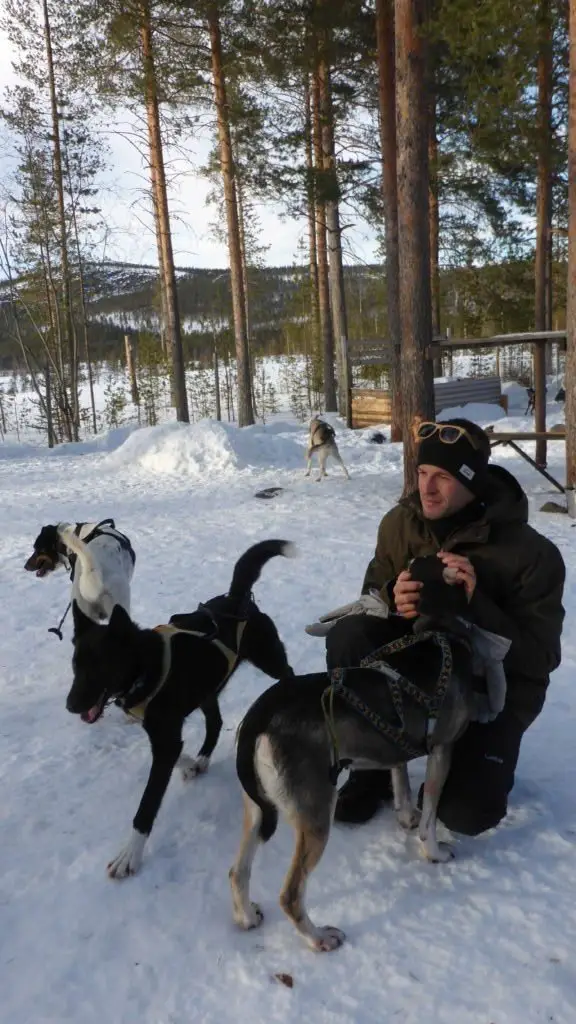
column 167, row 631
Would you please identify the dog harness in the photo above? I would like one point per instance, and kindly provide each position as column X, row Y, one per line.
column 168, row 631
column 106, row 527
column 331, row 433
column 399, row 687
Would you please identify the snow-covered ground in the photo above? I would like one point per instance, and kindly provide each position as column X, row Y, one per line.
column 486, row 939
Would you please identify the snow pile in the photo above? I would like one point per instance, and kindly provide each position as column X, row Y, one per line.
column 177, row 449
column 209, row 450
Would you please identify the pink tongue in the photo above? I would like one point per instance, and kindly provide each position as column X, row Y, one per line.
column 92, row 715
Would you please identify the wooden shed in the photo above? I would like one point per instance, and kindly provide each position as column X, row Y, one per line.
column 371, row 406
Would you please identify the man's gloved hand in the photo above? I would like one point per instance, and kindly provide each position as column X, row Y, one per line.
column 366, row 604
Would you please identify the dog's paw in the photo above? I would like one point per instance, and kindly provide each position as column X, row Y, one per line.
column 324, row 940
column 438, row 853
column 249, row 919
column 408, row 818
column 190, row 767
column 129, row 859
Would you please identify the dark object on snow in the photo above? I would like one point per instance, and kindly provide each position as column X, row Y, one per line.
column 269, row 492
column 377, row 438
column 531, row 400
column 561, row 396
column 553, row 506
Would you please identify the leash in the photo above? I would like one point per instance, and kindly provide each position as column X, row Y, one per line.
column 398, row 685
column 58, row 629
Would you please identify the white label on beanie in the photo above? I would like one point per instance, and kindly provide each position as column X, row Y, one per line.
column 466, row 471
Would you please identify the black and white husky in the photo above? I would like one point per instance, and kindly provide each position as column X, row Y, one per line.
column 99, row 558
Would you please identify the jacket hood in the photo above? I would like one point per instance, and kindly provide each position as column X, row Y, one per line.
column 506, row 501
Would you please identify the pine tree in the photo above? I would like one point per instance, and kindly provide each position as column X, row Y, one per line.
column 570, row 377
column 413, row 222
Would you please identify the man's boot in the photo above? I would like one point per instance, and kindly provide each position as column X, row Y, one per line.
column 361, row 796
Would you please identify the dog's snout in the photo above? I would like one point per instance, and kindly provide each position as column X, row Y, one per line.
column 71, row 704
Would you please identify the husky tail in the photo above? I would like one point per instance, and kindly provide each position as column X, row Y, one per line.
column 249, row 566
column 92, row 576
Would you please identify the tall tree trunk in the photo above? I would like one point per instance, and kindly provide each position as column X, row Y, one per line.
column 334, row 234
column 82, row 296
column 216, row 377
column 245, row 282
column 69, row 338
column 245, row 408
column 413, row 226
column 430, row 59
column 311, row 209
column 570, row 367
column 161, row 267
column 322, row 251
column 434, row 226
column 543, row 217
column 48, row 390
column 387, row 102
column 158, row 176
column 131, row 367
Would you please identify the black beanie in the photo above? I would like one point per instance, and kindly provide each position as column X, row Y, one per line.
column 464, row 462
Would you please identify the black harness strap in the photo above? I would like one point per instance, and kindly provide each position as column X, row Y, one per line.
column 331, row 432
column 398, row 685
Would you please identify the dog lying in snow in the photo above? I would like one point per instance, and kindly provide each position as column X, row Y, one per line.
column 299, row 733
column 322, row 441
column 162, row 675
column 99, row 558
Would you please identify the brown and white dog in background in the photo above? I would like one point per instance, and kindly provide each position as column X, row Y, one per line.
column 322, row 440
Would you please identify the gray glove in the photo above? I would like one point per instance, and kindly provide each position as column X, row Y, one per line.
column 366, row 604
column 488, row 653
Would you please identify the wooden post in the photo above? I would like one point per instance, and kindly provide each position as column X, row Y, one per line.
column 570, row 366
column 130, row 363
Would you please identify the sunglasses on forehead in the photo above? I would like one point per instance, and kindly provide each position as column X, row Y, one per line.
column 449, row 433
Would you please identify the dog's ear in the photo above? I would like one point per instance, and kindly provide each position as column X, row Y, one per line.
column 120, row 622
column 81, row 621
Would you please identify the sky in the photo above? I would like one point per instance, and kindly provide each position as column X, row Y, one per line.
column 129, row 234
